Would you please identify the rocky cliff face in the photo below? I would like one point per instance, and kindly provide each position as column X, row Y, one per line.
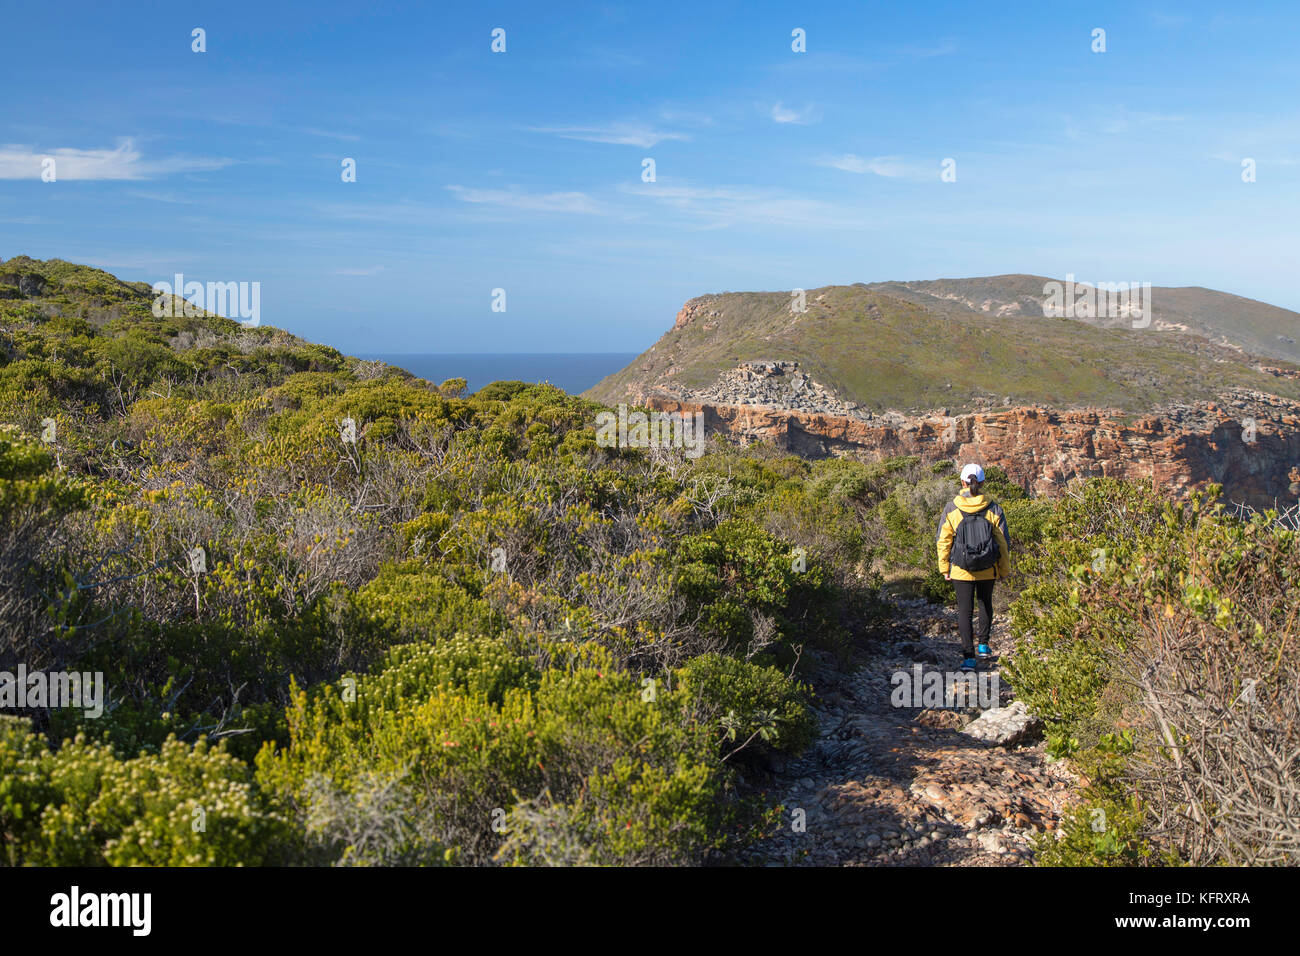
column 1249, row 442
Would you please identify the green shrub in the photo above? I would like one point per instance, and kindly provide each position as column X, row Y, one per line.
column 420, row 604
column 82, row 806
column 760, row 705
column 473, row 735
column 1064, row 656
column 1152, row 641
column 735, row 571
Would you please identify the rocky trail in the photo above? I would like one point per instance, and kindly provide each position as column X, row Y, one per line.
column 887, row 785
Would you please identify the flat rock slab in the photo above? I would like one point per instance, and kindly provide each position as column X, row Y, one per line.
column 1005, row 726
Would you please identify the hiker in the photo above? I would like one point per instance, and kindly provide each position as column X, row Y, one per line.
column 974, row 551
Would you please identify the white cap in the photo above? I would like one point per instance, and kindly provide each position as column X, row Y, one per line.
column 972, row 471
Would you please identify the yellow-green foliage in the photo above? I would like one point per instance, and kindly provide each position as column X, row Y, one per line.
column 1155, row 640
column 81, row 805
column 473, row 731
column 354, row 523
column 750, row 702
column 420, row 604
column 28, row 482
column 1065, row 648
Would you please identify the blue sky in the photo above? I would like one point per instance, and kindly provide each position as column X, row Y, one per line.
column 522, row 170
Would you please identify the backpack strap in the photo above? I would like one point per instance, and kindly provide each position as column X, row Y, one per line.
column 943, row 518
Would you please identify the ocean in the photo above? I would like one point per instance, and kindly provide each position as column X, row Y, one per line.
column 572, row 371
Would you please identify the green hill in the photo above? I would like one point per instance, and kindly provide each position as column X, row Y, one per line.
column 892, row 346
column 1254, row 327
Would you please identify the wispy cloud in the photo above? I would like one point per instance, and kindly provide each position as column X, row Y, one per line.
column 164, row 197
column 830, row 61
column 124, row 162
column 1168, row 20
column 891, row 167
column 827, row 62
column 1126, row 119
column 601, row 58
column 1271, row 160
column 1116, row 120
column 686, row 196
column 725, row 206
column 685, row 117
column 621, row 134
column 565, row 202
column 265, row 122
column 372, row 270
column 786, row 114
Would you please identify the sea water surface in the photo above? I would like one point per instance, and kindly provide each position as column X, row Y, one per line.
column 572, row 371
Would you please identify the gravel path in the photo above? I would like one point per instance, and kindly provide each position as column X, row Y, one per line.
column 905, row 786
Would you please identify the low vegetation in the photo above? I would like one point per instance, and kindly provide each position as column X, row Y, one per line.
column 1157, row 644
column 347, row 617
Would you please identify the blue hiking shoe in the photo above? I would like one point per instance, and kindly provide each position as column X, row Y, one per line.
column 984, row 651
column 968, row 664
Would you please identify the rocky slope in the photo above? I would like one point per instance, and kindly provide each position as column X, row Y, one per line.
column 1048, row 400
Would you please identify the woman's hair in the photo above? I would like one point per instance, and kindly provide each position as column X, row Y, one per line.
column 974, row 484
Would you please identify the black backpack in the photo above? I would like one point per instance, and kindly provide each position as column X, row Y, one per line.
column 973, row 547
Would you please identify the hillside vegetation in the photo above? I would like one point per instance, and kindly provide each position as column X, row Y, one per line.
column 1158, row 646
column 891, row 347
column 1252, row 326
column 469, row 635
column 424, row 627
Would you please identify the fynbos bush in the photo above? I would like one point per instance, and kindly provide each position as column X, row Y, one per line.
column 1156, row 645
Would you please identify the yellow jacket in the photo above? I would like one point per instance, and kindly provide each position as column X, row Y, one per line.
column 952, row 516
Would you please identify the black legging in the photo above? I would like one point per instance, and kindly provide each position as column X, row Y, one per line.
column 966, row 594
